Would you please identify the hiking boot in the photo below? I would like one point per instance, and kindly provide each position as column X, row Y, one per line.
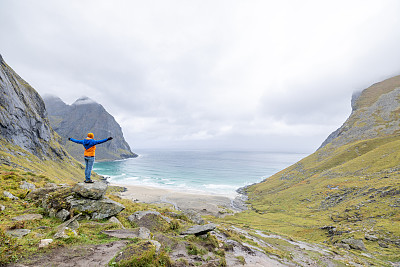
column 89, row 181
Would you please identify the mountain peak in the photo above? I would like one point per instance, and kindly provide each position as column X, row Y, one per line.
column 1, row 58
column 51, row 97
column 84, row 100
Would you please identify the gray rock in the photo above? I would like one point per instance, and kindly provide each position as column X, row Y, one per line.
column 40, row 193
column 62, row 215
column 140, row 214
column 152, row 220
column 137, row 216
column 2, row 207
column 383, row 244
column 71, row 223
column 140, row 232
column 239, row 203
column 96, row 209
column 9, row 195
column 116, row 221
column 156, row 244
column 45, row 243
column 65, row 232
column 370, row 237
column 355, row 243
column 28, row 217
column 193, row 216
column 67, row 229
column 27, row 186
column 18, row 232
column 199, row 229
column 95, row 190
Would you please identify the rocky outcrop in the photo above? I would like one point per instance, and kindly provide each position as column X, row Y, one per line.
column 152, row 220
column 199, row 229
column 375, row 112
column 23, row 116
column 82, row 117
column 95, row 209
column 60, row 201
column 357, row 244
column 93, row 191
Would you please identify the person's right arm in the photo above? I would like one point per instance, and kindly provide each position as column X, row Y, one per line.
column 76, row 141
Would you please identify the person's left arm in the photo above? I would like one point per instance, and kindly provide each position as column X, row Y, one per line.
column 102, row 141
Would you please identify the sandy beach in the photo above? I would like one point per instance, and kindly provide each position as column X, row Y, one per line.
column 201, row 203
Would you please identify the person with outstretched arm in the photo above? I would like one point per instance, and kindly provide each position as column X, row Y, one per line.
column 90, row 148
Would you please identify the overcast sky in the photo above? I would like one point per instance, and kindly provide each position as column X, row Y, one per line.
column 265, row 75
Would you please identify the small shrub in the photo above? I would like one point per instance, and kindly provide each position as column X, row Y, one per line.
column 137, row 255
column 9, row 248
column 163, row 260
column 220, row 252
column 241, row 260
column 174, row 225
column 194, row 250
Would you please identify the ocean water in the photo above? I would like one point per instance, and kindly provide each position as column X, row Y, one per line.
column 211, row 172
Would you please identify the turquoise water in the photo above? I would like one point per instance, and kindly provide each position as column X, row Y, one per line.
column 215, row 172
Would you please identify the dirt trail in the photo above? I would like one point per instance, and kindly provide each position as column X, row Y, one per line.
column 89, row 256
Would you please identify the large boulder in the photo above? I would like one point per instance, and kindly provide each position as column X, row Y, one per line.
column 199, row 229
column 94, row 190
column 96, row 209
column 45, row 243
column 114, row 220
column 27, row 186
column 152, row 220
column 18, row 232
column 28, row 217
column 9, row 195
column 68, row 228
column 193, row 216
column 62, row 200
column 354, row 243
column 40, row 193
column 140, row 232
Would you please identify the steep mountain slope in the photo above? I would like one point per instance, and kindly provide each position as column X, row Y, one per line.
column 82, row 117
column 349, row 188
column 27, row 140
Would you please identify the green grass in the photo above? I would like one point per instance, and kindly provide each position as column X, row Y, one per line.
column 299, row 200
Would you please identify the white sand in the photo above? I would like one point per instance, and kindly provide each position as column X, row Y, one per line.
column 202, row 203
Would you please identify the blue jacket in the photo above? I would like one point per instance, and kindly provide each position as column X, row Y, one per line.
column 88, row 143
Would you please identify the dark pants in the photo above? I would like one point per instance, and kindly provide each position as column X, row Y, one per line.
column 89, row 161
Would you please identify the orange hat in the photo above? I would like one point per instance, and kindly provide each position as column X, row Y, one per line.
column 90, row 135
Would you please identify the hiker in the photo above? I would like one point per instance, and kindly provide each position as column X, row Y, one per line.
column 90, row 147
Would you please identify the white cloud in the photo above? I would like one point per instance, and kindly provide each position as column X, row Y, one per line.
column 256, row 74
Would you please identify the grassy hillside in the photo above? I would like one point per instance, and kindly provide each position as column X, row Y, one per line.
column 350, row 188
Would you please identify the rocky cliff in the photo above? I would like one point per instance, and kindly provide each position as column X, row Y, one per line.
column 23, row 117
column 26, row 135
column 375, row 112
column 82, row 117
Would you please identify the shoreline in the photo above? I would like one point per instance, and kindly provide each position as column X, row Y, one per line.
column 204, row 204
